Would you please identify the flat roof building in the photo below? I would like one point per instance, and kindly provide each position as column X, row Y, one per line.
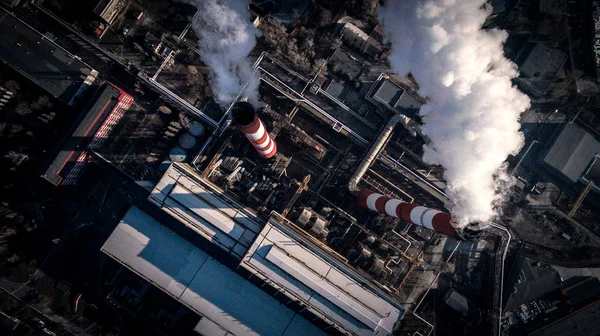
column 311, row 274
column 42, row 61
column 95, row 123
column 395, row 98
column 538, row 65
column 572, row 151
column 279, row 257
column 183, row 194
column 226, row 302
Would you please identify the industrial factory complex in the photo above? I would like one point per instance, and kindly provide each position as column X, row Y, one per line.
column 280, row 197
column 137, row 203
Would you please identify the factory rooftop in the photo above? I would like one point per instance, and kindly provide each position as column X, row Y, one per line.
column 572, row 151
column 93, row 126
column 184, row 195
column 226, row 302
column 42, row 61
column 394, row 97
column 307, row 271
column 538, row 65
column 204, row 208
column 290, row 225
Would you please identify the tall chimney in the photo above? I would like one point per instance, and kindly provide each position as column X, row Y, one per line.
column 432, row 219
column 245, row 117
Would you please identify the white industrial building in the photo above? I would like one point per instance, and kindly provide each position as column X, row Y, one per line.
column 228, row 304
column 277, row 257
column 307, row 271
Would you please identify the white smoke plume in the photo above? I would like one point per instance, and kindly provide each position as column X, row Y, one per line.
column 472, row 107
column 226, row 38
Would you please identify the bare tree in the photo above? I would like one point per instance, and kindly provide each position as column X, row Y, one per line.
column 13, row 86
column 41, row 102
column 16, row 158
column 23, row 109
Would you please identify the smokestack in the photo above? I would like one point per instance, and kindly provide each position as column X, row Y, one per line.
column 472, row 107
column 245, row 117
column 432, row 219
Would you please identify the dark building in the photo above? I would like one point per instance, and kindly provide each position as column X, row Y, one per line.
column 395, row 98
column 464, row 306
column 583, row 322
column 538, row 64
column 583, row 291
column 95, row 123
column 528, row 281
column 42, row 61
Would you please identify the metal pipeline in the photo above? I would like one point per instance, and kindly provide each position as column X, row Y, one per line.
column 375, row 149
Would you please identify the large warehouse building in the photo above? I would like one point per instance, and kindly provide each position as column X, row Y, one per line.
column 226, row 302
column 283, row 277
column 572, row 153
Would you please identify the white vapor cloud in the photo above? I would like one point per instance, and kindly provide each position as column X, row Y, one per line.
column 472, row 107
column 226, row 38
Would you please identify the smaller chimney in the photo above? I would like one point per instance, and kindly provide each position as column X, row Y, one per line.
column 245, row 117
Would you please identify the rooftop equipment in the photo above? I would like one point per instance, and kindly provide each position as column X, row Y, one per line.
column 245, row 117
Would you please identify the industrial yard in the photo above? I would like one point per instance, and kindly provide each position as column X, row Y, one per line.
column 316, row 199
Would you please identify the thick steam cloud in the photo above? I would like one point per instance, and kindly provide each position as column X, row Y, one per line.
column 226, row 37
column 472, row 108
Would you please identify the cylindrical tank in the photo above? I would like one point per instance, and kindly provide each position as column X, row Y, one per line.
column 246, row 119
column 187, row 141
column 197, row 129
column 178, row 154
column 432, row 219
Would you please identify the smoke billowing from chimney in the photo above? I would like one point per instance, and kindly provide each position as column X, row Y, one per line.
column 226, row 37
column 472, row 108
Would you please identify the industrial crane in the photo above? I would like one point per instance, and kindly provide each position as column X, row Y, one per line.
column 580, row 199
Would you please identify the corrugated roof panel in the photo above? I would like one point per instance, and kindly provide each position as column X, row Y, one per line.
column 205, row 285
column 301, row 327
column 281, row 258
column 199, row 207
column 232, row 210
column 206, row 327
column 259, row 262
column 357, row 291
column 171, row 266
column 291, row 247
column 163, row 188
column 200, row 225
column 244, row 308
column 323, row 288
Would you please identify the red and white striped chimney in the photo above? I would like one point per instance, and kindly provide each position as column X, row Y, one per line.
column 410, row 212
column 245, row 117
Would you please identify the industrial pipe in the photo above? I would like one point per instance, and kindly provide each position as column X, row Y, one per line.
column 432, row 219
column 377, row 146
column 245, row 117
